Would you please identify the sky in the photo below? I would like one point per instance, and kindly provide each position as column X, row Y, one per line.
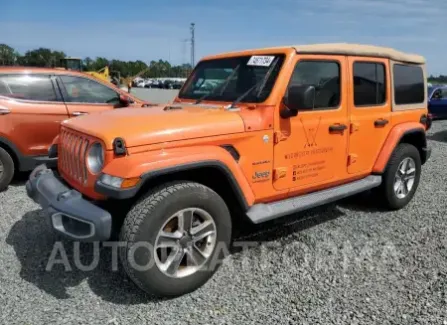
column 151, row 30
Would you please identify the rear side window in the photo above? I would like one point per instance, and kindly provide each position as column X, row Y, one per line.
column 408, row 84
column 369, row 84
column 28, row 87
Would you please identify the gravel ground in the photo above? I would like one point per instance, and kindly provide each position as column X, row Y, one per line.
column 346, row 263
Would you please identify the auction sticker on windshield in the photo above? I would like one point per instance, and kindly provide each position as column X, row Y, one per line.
column 260, row 61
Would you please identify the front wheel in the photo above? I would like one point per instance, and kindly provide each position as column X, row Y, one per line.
column 401, row 177
column 174, row 238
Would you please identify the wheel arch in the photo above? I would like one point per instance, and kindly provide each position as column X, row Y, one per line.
column 212, row 173
column 418, row 139
column 411, row 133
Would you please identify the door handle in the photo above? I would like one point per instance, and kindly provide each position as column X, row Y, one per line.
column 337, row 127
column 78, row 113
column 380, row 122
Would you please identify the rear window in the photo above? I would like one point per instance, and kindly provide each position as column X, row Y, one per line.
column 409, row 85
column 28, row 87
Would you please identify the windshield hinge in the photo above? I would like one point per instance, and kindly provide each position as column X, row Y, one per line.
column 278, row 136
column 232, row 108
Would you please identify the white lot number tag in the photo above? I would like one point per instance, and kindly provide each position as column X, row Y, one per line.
column 260, row 61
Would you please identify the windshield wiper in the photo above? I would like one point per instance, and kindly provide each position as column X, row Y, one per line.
column 261, row 84
column 221, row 87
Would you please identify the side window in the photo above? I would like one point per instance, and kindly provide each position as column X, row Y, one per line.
column 28, row 87
column 437, row 94
column 369, row 84
column 324, row 76
column 440, row 93
column 409, row 85
column 83, row 90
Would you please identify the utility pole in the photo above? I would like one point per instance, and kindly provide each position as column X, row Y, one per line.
column 192, row 45
column 184, row 55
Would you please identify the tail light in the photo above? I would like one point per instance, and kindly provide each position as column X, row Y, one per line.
column 426, row 120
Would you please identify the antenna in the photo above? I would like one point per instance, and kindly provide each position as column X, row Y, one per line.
column 192, row 45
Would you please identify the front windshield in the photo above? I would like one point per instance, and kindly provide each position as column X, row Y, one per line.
column 210, row 78
column 430, row 91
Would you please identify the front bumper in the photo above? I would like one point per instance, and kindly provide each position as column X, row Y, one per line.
column 69, row 213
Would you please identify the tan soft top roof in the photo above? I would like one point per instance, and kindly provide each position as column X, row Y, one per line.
column 337, row 49
column 360, row 50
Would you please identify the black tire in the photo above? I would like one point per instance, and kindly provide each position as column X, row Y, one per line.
column 386, row 191
column 148, row 216
column 8, row 169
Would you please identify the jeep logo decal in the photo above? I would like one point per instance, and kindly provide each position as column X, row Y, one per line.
column 261, row 176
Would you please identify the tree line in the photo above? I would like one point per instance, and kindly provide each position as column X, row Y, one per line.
column 441, row 79
column 44, row 57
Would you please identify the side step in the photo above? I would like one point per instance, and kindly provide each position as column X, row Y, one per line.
column 261, row 212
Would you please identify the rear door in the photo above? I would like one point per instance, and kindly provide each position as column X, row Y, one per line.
column 31, row 110
column 84, row 95
column 370, row 111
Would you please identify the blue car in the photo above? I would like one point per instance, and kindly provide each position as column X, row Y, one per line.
column 437, row 101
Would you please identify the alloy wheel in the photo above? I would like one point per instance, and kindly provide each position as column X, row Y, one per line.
column 404, row 177
column 185, row 242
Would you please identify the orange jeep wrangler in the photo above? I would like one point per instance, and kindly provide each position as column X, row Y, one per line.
column 260, row 133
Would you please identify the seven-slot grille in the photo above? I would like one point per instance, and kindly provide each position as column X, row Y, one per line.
column 72, row 152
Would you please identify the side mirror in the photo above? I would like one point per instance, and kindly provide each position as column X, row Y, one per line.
column 298, row 98
column 124, row 101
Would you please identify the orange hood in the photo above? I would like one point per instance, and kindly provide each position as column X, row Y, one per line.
column 156, row 124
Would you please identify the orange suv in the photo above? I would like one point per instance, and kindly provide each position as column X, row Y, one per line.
column 257, row 134
column 33, row 102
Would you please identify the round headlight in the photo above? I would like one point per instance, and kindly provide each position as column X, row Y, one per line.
column 95, row 158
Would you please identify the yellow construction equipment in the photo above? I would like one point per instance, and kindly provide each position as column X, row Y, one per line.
column 70, row 63
column 126, row 81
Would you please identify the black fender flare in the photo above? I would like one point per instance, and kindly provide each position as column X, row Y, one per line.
column 115, row 193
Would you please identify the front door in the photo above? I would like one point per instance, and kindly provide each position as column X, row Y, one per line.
column 310, row 148
column 84, row 95
column 370, row 112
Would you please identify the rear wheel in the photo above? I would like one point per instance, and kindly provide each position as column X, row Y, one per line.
column 6, row 169
column 401, row 177
column 173, row 238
